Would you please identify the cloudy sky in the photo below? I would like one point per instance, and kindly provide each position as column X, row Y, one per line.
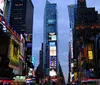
column 63, row 28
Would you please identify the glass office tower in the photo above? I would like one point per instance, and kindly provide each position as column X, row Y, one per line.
column 50, row 48
column 72, row 9
column 21, row 18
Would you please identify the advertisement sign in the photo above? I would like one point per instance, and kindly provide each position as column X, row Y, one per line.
column 52, row 73
column 52, row 37
column 14, row 54
column 53, row 61
column 28, row 37
column 1, row 4
column 90, row 47
column 51, row 21
column 33, row 60
column 53, row 51
column 85, row 53
column 75, row 76
column 90, row 54
column 52, row 44
column 29, row 44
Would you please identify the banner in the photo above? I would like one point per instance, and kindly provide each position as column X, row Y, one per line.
column 90, row 54
column 14, row 54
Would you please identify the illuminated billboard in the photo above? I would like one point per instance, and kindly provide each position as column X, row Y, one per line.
column 52, row 37
column 51, row 21
column 53, row 51
column 33, row 60
column 52, row 73
column 75, row 76
column 1, row 5
column 29, row 44
column 52, row 44
column 90, row 54
column 28, row 37
column 85, row 53
column 53, row 61
column 14, row 54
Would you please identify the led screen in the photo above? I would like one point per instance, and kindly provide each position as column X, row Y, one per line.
column 28, row 37
column 51, row 21
column 53, row 61
column 33, row 60
column 52, row 37
column 29, row 45
column 90, row 54
column 52, row 73
column 75, row 76
column 52, row 44
column 14, row 54
column 53, row 51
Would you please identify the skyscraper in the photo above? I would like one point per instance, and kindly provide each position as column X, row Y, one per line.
column 72, row 13
column 86, row 27
column 21, row 18
column 50, row 47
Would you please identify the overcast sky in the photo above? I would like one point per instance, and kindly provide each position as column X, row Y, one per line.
column 63, row 28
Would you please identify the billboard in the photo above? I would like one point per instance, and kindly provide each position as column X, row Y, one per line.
column 51, row 21
column 33, row 60
column 90, row 54
column 52, row 37
column 29, row 44
column 85, row 53
column 14, row 54
column 75, row 76
column 53, row 51
column 52, row 44
column 53, row 61
column 28, row 37
column 52, row 73
column 1, row 5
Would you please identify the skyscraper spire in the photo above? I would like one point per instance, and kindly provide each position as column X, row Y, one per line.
column 81, row 3
column 47, row 2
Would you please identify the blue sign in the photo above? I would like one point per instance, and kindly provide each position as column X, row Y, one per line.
column 51, row 21
column 29, row 45
column 33, row 60
column 52, row 44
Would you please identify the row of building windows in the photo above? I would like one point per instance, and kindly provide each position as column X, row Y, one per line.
column 18, row 4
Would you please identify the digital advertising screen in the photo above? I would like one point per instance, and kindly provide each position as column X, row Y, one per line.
column 53, row 61
column 90, row 54
column 14, row 54
column 28, row 37
column 75, row 76
column 52, row 73
column 1, row 4
column 29, row 44
column 51, row 44
column 52, row 37
column 53, row 51
column 51, row 21
column 85, row 53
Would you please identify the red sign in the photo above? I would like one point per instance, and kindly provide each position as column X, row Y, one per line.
column 84, row 53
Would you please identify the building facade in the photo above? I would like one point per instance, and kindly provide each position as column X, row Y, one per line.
column 86, row 27
column 14, row 21
column 21, row 18
column 72, row 13
column 50, row 41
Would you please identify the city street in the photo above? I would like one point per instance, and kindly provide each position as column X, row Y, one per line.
column 49, row 42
